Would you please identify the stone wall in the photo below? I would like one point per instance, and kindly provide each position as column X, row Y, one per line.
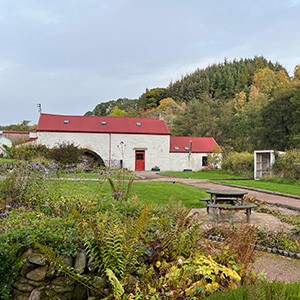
column 38, row 280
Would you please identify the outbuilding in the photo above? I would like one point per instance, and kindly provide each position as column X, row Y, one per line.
column 134, row 143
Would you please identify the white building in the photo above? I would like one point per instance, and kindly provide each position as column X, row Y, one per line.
column 263, row 162
column 4, row 142
column 133, row 143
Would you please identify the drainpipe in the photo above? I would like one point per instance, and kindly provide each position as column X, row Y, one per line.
column 109, row 150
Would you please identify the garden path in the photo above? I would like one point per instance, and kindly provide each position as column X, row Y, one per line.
column 271, row 265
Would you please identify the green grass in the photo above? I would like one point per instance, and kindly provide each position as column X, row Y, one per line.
column 7, row 160
column 161, row 192
column 285, row 188
column 148, row 192
column 91, row 175
column 205, row 174
column 83, row 175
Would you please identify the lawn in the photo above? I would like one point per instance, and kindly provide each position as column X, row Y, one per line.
column 148, row 192
column 7, row 160
column 161, row 192
column 285, row 188
column 205, row 174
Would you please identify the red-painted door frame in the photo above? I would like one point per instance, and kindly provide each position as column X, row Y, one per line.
column 140, row 160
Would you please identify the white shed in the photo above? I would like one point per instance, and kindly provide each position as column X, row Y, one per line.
column 263, row 161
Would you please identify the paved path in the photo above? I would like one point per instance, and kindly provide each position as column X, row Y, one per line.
column 272, row 198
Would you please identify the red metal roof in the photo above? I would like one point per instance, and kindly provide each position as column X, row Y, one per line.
column 198, row 144
column 99, row 124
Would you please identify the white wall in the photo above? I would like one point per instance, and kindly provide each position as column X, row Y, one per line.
column 4, row 141
column 106, row 146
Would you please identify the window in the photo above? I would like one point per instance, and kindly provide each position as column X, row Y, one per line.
column 204, row 161
column 139, row 156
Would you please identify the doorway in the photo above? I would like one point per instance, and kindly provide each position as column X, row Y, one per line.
column 140, row 160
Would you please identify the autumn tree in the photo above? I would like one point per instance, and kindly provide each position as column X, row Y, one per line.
column 150, row 99
column 297, row 73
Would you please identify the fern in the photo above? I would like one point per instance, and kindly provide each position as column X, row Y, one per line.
column 118, row 289
column 112, row 251
column 134, row 232
column 181, row 236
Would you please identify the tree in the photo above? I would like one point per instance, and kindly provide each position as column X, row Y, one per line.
column 267, row 80
column 278, row 119
column 117, row 112
column 295, row 129
column 150, row 99
column 199, row 119
column 297, row 73
column 105, row 108
column 23, row 126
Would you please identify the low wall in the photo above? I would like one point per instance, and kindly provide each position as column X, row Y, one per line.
column 38, row 280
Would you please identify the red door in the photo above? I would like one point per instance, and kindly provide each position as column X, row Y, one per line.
column 140, row 160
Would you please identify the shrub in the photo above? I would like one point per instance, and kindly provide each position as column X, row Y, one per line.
column 288, row 165
column 239, row 162
column 66, row 154
column 21, row 186
column 28, row 152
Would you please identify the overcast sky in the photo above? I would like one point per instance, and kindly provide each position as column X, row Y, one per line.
column 70, row 55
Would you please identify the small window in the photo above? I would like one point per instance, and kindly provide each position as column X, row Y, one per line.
column 138, row 123
column 176, row 148
column 204, row 161
column 66, row 121
column 103, row 123
column 139, row 156
column 186, row 148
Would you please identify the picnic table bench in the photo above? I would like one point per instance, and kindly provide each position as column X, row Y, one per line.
column 227, row 200
column 219, row 207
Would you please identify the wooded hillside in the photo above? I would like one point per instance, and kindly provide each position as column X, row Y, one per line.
column 247, row 104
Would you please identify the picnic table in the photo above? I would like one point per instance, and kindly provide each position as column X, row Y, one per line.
column 227, row 200
column 233, row 197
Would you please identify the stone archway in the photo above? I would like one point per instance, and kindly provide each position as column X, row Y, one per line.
column 94, row 157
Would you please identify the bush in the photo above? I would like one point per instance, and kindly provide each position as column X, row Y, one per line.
column 239, row 162
column 15, row 187
column 66, row 154
column 288, row 165
column 28, row 152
